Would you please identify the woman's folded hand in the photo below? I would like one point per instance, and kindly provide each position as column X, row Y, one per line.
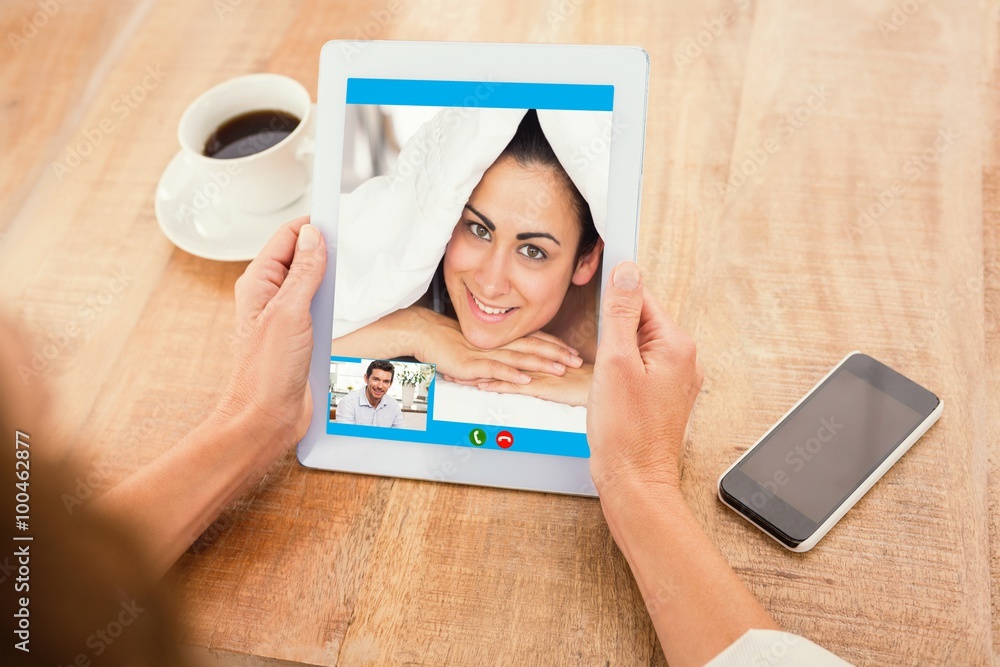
column 442, row 343
column 571, row 388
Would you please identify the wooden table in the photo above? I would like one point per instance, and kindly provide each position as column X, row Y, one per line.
column 819, row 177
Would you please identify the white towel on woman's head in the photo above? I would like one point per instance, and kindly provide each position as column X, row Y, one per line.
column 395, row 227
column 582, row 142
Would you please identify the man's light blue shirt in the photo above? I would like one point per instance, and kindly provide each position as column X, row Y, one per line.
column 355, row 409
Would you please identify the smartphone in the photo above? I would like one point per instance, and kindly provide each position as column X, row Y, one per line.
column 803, row 475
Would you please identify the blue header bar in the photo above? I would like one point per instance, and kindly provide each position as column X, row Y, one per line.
column 487, row 94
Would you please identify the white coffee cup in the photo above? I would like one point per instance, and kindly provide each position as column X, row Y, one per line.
column 264, row 182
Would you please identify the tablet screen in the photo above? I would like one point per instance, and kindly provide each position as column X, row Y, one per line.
column 469, row 264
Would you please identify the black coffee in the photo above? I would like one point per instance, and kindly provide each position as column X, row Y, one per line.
column 250, row 133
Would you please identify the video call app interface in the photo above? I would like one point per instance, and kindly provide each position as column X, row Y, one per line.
column 420, row 415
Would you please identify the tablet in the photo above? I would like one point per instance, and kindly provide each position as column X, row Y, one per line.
column 474, row 198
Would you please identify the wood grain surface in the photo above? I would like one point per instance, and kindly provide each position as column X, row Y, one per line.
column 819, row 178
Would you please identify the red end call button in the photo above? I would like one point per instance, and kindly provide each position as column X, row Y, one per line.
column 505, row 439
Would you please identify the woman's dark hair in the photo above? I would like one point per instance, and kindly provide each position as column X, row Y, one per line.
column 529, row 147
column 382, row 366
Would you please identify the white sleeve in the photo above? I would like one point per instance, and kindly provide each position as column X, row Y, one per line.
column 774, row 648
column 345, row 410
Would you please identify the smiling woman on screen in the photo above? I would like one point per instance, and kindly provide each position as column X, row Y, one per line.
column 512, row 307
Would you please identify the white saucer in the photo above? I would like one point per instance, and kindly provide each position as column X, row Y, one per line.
column 206, row 229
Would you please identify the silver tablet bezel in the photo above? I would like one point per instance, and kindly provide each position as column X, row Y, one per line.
column 627, row 69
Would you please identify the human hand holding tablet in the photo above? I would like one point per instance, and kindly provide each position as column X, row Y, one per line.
column 474, row 259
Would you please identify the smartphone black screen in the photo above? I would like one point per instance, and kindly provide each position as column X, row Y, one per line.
column 805, row 468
